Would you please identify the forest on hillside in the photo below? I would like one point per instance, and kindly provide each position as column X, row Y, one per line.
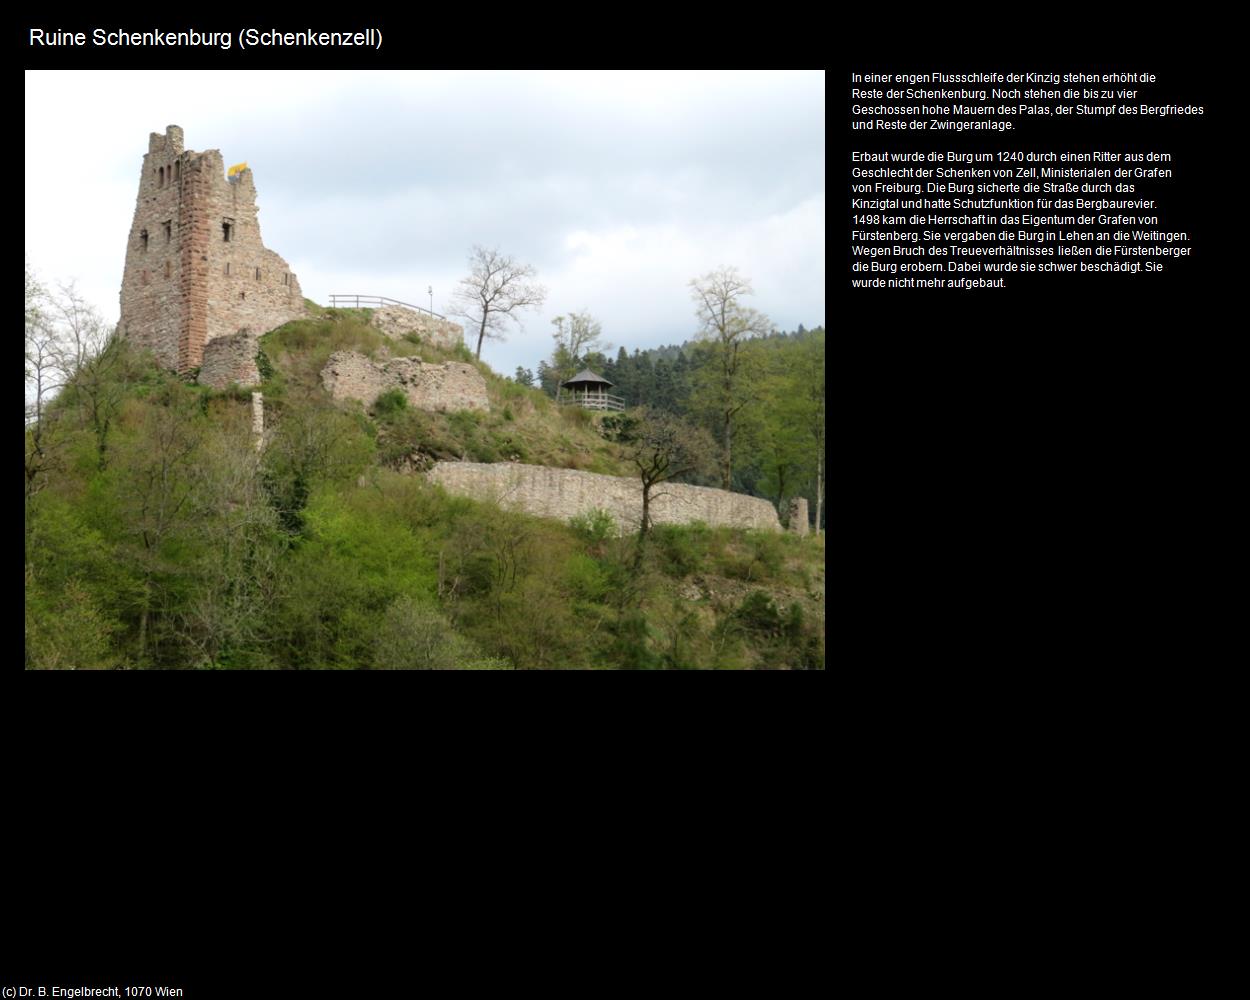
column 777, row 399
column 158, row 535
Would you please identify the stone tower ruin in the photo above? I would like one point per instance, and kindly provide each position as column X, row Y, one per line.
column 196, row 269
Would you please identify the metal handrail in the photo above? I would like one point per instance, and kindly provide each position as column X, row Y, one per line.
column 375, row 302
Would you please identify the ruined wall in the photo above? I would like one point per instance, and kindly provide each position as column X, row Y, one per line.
column 230, row 359
column 797, row 518
column 448, row 387
column 395, row 321
column 258, row 419
column 566, row 493
column 185, row 283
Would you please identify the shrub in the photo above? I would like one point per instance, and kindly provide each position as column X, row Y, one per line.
column 576, row 416
column 464, row 422
column 390, row 403
column 769, row 554
column 619, row 427
column 758, row 613
column 594, row 527
column 682, row 549
column 586, row 578
column 414, row 636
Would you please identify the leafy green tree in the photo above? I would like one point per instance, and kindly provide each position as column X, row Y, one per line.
column 413, row 635
column 310, row 444
column 784, row 453
column 548, row 379
column 726, row 325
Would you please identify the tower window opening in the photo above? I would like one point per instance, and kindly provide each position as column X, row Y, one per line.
column 160, row 177
column 242, row 296
column 225, row 231
column 177, row 169
column 167, row 269
column 227, row 269
column 258, row 274
column 143, row 238
column 169, row 230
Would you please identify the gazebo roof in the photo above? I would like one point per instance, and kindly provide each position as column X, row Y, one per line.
column 586, row 376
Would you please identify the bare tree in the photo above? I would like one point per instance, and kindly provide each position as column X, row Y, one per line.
column 497, row 288
column 662, row 448
column 726, row 324
column 100, row 385
column 68, row 346
column 84, row 334
column 229, row 514
column 160, row 475
column 45, row 376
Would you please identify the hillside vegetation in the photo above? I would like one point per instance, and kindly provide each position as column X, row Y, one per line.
column 158, row 537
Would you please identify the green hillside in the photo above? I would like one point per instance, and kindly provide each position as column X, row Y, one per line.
column 158, row 538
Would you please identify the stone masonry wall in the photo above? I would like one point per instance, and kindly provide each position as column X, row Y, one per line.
column 566, row 493
column 797, row 518
column 395, row 321
column 448, row 387
column 230, row 359
column 185, row 283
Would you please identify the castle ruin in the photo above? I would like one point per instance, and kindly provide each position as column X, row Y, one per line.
column 196, row 268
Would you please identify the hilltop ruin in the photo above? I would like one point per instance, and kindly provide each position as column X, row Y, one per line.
column 196, row 269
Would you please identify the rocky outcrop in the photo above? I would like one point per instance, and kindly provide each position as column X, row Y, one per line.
column 447, row 387
column 396, row 321
column 567, row 493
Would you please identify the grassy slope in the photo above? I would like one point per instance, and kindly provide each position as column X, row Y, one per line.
column 486, row 586
column 698, row 585
column 523, row 425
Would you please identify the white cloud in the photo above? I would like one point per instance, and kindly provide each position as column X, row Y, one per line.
column 618, row 186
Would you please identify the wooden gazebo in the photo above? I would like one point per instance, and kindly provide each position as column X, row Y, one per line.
column 590, row 391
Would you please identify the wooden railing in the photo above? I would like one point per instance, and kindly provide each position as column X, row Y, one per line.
column 375, row 302
column 602, row 401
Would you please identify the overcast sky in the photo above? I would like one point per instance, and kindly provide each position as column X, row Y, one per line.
column 619, row 187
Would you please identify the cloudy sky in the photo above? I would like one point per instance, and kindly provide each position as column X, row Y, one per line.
column 619, row 187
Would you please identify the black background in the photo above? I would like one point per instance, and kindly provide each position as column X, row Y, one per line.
column 1009, row 473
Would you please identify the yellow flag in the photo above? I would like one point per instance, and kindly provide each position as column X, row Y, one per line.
column 238, row 168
